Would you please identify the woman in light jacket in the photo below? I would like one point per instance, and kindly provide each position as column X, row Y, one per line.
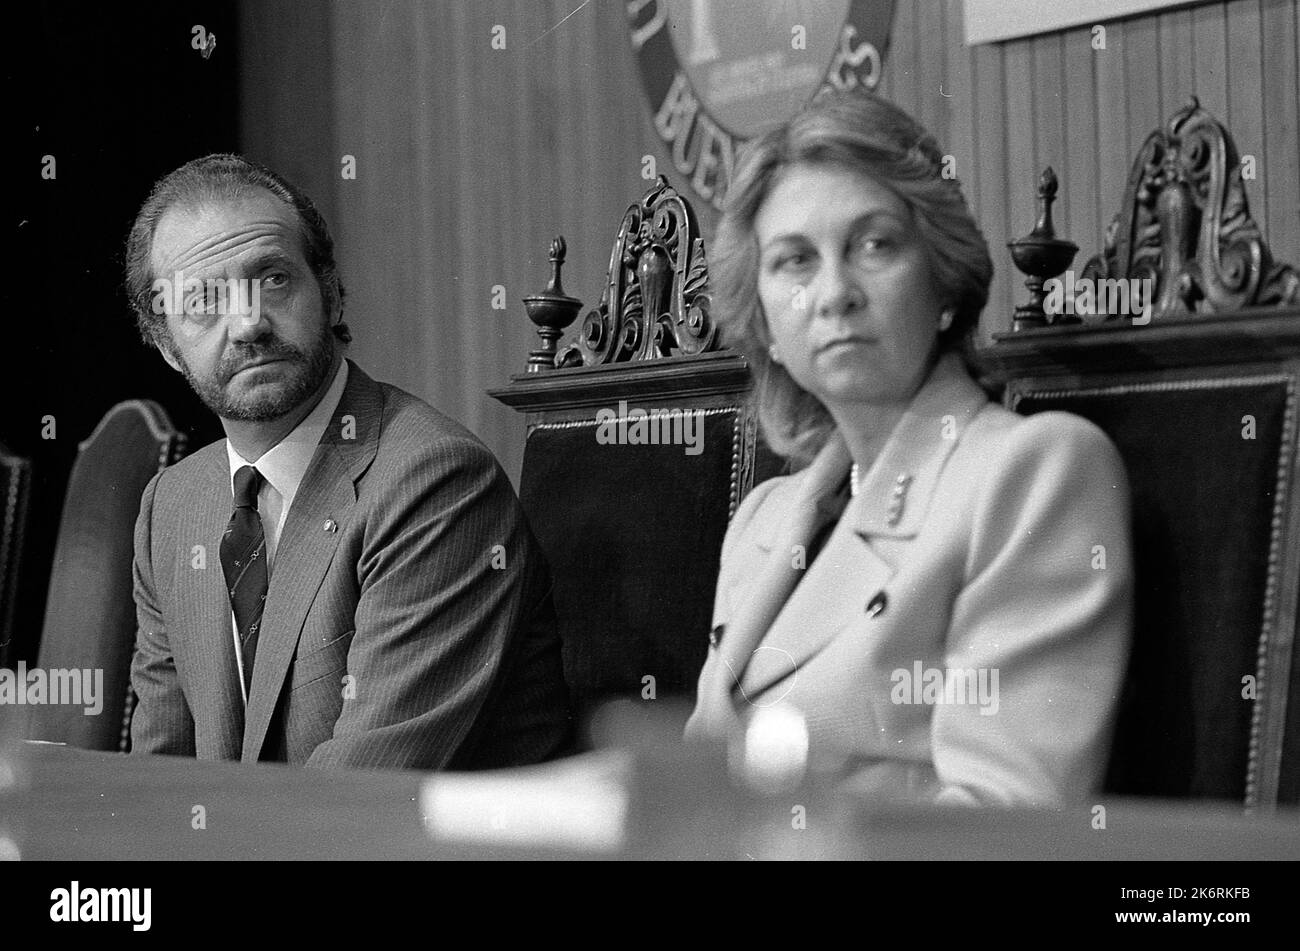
column 943, row 589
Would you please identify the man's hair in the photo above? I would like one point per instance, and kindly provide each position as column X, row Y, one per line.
column 216, row 178
column 864, row 133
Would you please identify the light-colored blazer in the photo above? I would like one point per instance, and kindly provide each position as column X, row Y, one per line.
column 388, row 573
column 982, row 545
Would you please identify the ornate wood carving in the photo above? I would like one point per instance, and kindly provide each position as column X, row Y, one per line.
column 656, row 298
column 1243, row 337
column 1185, row 224
column 552, row 310
column 721, row 373
column 1041, row 255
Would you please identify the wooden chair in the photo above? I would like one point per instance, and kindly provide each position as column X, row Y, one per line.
column 15, row 491
column 90, row 622
column 1202, row 405
column 630, row 516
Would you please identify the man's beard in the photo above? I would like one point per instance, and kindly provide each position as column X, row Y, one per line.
column 305, row 371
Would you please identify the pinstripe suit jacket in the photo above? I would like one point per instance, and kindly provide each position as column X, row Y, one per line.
column 391, row 637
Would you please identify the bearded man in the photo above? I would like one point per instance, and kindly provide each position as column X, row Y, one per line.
column 347, row 579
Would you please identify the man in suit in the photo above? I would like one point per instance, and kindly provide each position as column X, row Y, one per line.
column 346, row 580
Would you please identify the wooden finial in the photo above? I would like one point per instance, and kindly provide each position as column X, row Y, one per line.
column 1041, row 255
column 551, row 311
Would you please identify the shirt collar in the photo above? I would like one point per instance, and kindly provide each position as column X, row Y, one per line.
column 285, row 464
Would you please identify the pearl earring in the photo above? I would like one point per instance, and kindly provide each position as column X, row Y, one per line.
column 773, row 353
column 945, row 318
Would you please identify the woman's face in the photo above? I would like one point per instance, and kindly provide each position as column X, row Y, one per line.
column 845, row 284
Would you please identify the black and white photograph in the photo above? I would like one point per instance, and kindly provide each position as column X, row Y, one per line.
column 654, row 430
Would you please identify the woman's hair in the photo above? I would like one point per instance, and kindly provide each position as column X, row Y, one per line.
column 224, row 177
column 864, row 133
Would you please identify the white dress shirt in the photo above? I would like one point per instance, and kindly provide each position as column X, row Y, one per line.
column 283, row 467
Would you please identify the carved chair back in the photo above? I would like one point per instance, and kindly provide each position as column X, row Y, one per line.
column 639, row 447
column 1198, row 391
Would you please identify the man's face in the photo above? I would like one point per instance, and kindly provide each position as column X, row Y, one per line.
column 250, row 334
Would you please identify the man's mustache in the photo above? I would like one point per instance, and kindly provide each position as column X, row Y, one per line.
column 246, row 354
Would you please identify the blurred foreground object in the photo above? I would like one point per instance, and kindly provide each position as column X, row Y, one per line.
column 13, row 781
column 84, row 805
column 580, row 803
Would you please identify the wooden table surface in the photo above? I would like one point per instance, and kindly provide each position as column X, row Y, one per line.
column 66, row 804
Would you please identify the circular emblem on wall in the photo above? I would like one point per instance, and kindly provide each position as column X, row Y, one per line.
column 719, row 72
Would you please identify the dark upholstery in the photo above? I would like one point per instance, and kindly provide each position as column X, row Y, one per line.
column 1203, row 506
column 90, row 611
column 632, row 534
column 15, row 489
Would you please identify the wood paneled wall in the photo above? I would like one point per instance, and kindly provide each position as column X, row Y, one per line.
column 1008, row 110
column 470, row 159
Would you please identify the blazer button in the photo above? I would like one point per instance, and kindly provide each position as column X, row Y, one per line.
column 330, row 526
column 877, row 605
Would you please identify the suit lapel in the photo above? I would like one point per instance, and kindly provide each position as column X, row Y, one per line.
column 320, row 512
column 793, row 529
column 848, row 576
column 790, row 624
column 206, row 643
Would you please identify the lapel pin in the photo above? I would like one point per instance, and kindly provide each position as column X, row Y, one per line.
column 876, row 605
column 715, row 635
column 898, row 499
column 330, row 525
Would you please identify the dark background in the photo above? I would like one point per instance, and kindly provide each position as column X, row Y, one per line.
column 118, row 96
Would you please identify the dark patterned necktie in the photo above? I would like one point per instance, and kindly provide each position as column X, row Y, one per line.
column 243, row 559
